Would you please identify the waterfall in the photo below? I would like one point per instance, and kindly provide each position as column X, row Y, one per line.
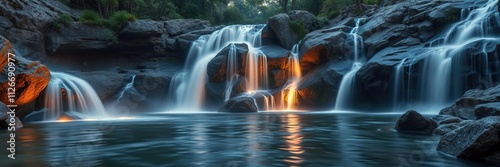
column 442, row 75
column 129, row 85
column 190, row 88
column 398, row 83
column 294, row 76
column 232, row 71
column 68, row 93
column 347, row 85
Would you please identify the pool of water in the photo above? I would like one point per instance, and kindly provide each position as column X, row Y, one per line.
column 228, row 140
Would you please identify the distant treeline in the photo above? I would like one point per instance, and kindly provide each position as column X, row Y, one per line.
column 216, row 11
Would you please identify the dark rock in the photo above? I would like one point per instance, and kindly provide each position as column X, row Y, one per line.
column 70, row 116
column 318, row 89
column 414, row 122
column 239, row 104
column 36, row 116
column 182, row 26
column 143, row 28
column 79, row 37
column 303, row 16
column 477, row 140
column 277, row 61
column 446, row 119
column 105, row 83
column 489, row 109
column 471, row 101
column 280, row 24
column 30, row 79
column 148, row 93
column 24, row 23
column 446, row 128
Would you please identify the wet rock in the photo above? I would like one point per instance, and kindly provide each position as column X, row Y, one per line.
column 239, row 105
column 477, row 140
column 79, row 37
column 280, row 24
column 446, row 128
column 414, row 122
column 148, row 93
column 489, row 109
column 36, row 116
column 70, row 116
column 105, row 83
column 31, row 78
column 446, row 119
column 318, row 89
column 303, row 16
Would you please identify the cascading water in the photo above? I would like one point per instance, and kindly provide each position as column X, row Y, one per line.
column 442, row 82
column 398, row 84
column 127, row 87
column 294, row 76
column 190, row 90
column 347, row 86
column 69, row 93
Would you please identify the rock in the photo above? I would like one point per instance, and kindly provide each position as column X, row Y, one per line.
column 277, row 61
column 36, row 116
column 24, row 23
column 486, row 110
column 70, row 116
column 143, row 28
column 148, row 93
column 77, row 38
column 181, row 26
column 477, row 140
column 30, row 79
column 446, row 128
column 105, row 83
column 303, row 16
column 239, row 104
column 318, row 47
column 414, row 122
column 280, row 24
column 318, row 89
column 183, row 41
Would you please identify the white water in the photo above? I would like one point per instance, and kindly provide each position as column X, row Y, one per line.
column 438, row 82
column 66, row 93
column 347, row 86
column 232, row 71
column 398, row 83
column 129, row 85
column 190, row 92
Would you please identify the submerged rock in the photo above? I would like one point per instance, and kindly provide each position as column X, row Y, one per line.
column 477, row 140
column 414, row 122
column 239, row 104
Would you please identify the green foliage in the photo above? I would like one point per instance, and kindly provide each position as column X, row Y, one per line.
column 119, row 19
column 320, row 22
column 373, row 2
column 63, row 20
column 298, row 28
column 91, row 18
column 332, row 8
column 233, row 15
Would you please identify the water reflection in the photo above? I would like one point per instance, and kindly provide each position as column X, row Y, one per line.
column 293, row 139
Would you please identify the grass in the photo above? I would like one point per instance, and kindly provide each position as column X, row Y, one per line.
column 63, row 20
column 91, row 18
column 119, row 19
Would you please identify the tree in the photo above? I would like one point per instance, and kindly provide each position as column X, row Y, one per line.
column 109, row 6
column 359, row 5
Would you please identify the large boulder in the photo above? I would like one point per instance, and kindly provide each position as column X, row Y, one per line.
column 30, row 79
column 24, row 23
column 281, row 28
column 147, row 93
column 182, row 26
column 239, row 105
column 475, row 103
column 477, row 140
column 486, row 110
column 414, row 122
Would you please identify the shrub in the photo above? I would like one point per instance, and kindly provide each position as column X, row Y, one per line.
column 119, row 18
column 91, row 18
column 112, row 37
column 320, row 22
column 62, row 20
column 299, row 28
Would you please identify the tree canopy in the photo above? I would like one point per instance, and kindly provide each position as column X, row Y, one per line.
column 216, row 11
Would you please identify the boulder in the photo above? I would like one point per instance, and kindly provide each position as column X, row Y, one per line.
column 105, row 83
column 414, row 122
column 36, row 116
column 142, row 28
column 477, row 140
column 280, row 24
column 182, row 26
column 486, row 110
column 148, row 93
column 30, row 79
column 446, row 128
column 303, row 16
column 24, row 23
column 239, row 105
column 318, row 89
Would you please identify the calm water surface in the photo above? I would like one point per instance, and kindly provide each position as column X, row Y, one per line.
column 227, row 140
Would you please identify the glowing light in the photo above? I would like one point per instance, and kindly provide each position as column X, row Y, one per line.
column 126, row 118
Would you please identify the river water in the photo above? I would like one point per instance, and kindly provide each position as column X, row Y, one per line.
column 227, row 140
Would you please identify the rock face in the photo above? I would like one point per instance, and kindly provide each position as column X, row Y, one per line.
column 280, row 26
column 478, row 140
column 24, row 23
column 239, row 104
column 475, row 103
column 414, row 122
column 30, row 79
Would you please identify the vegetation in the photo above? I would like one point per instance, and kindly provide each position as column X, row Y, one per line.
column 216, row 11
column 62, row 20
column 298, row 28
column 118, row 19
column 91, row 18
